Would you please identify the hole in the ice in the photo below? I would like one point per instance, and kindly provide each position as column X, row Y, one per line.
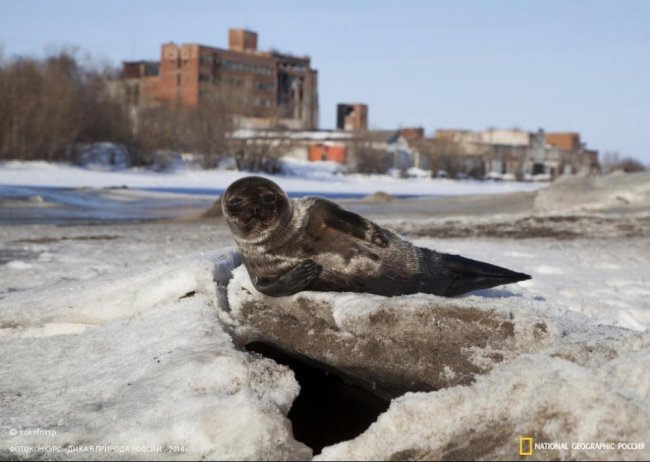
column 327, row 410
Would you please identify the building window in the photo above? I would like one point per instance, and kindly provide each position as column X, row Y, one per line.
column 247, row 67
column 264, row 86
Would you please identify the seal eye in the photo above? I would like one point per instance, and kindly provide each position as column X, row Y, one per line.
column 235, row 201
column 268, row 198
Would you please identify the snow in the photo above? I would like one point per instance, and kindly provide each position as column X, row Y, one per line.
column 18, row 265
column 589, row 194
column 322, row 135
column 318, row 170
column 80, row 353
column 320, row 180
column 103, row 156
column 554, row 399
column 130, row 338
column 605, row 279
column 128, row 363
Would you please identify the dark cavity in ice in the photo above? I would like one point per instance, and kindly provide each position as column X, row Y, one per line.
column 328, row 410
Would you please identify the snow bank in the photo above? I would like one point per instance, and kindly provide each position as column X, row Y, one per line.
column 103, row 156
column 606, row 279
column 138, row 366
column 582, row 194
column 319, row 180
column 151, row 360
column 549, row 399
column 318, row 170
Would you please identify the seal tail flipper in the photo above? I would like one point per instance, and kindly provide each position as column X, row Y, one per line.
column 468, row 275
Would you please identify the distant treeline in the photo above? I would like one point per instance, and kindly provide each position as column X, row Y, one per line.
column 50, row 105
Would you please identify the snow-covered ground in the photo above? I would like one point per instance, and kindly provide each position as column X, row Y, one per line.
column 126, row 341
column 313, row 179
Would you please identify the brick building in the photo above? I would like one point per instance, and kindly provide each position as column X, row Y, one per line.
column 352, row 117
column 266, row 89
column 567, row 141
column 140, row 82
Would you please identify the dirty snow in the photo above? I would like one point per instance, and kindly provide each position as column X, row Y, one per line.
column 139, row 365
column 121, row 336
column 96, row 341
column 549, row 398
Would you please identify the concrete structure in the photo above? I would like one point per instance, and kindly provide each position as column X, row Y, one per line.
column 352, row 117
column 265, row 89
column 304, row 145
column 387, row 148
column 516, row 154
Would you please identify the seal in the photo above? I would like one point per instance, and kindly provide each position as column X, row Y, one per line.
column 290, row 245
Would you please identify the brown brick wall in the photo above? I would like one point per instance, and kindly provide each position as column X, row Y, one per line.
column 412, row 133
column 567, row 141
column 242, row 39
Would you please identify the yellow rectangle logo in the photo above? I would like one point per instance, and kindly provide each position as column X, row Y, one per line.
column 525, row 446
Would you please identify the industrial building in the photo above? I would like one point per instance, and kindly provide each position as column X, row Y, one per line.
column 265, row 89
column 516, row 154
column 352, row 117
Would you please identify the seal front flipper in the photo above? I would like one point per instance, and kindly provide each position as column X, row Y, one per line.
column 350, row 223
column 295, row 280
column 468, row 275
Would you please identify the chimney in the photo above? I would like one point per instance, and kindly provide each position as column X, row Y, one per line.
column 242, row 40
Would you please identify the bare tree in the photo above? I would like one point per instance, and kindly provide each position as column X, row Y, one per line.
column 610, row 161
column 46, row 106
column 445, row 154
column 261, row 153
column 210, row 125
column 631, row 165
column 366, row 156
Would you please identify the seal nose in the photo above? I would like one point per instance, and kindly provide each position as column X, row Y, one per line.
column 255, row 210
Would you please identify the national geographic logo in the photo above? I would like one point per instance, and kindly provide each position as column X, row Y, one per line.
column 525, row 445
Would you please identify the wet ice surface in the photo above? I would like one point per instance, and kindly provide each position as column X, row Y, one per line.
column 118, row 335
column 67, row 206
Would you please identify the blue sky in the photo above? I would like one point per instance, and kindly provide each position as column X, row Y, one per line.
column 567, row 65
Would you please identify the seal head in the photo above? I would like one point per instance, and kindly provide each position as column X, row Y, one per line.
column 254, row 208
